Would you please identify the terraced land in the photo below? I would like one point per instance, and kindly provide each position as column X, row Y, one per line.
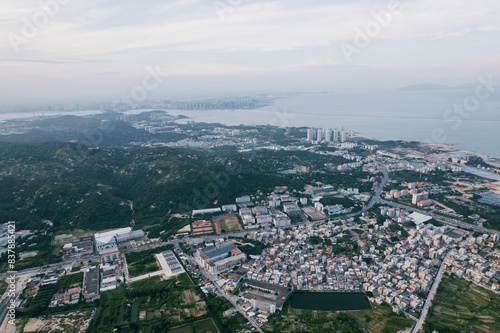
column 462, row 306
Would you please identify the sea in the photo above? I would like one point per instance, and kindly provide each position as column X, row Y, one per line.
column 455, row 117
column 424, row 116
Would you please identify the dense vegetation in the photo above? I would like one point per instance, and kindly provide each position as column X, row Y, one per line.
column 143, row 262
column 218, row 305
column 39, row 243
column 255, row 249
column 75, row 186
column 38, row 305
column 165, row 304
column 435, row 177
column 3, row 287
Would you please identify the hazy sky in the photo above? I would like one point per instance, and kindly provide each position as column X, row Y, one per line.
column 100, row 49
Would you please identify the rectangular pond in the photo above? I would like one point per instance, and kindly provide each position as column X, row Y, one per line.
column 324, row 301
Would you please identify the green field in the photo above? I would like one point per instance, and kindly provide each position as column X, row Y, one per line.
column 381, row 319
column 229, row 223
column 205, row 325
column 454, row 234
column 183, row 329
column 462, row 306
column 144, row 262
column 150, row 303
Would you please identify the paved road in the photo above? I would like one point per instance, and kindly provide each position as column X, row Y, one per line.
column 410, row 316
column 43, row 269
column 432, row 293
column 440, row 218
column 222, row 292
column 378, row 190
column 4, row 307
column 20, row 284
column 430, row 297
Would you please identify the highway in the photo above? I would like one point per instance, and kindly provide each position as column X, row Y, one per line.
column 4, row 307
column 46, row 268
column 378, row 190
column 440, row 218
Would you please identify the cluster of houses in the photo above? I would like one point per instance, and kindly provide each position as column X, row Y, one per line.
column 394, row 268
column 423, row 167
column 468, row 262
column 74, row 245
column 66, row 296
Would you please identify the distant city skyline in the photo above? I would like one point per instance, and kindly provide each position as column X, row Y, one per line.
column 61, row 50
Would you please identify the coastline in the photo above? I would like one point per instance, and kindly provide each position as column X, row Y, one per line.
column 276, row 118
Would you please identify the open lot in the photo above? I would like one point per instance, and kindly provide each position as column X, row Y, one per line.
column 71, row 322
column 462, row 306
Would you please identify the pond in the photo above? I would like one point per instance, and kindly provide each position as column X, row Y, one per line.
column 324, row 301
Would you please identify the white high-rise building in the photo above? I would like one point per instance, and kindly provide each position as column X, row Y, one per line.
column 328, row 135
column 310, row 134
column 319, row 135
column 335, row 136
column 343, row 136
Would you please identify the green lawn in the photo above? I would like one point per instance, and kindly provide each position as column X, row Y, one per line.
column 183, row 329
column 229, row 223
column 205, row 325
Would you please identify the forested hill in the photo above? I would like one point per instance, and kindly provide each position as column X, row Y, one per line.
column 75, row 186
column 97, row 130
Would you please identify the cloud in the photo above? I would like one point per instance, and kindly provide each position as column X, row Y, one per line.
column 190, row 36
column 443, row 34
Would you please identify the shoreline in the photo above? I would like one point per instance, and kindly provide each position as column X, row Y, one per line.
column 5, row 117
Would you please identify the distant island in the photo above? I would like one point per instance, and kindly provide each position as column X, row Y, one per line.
column 426, row 86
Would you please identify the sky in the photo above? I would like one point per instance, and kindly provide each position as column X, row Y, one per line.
column 52, row 50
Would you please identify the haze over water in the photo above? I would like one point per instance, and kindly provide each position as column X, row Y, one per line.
column 384, row 115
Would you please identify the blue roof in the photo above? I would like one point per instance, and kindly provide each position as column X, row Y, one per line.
column 212, row 251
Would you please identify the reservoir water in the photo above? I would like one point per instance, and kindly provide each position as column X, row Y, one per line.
column 323, row 301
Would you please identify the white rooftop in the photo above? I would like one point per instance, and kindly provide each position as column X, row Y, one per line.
column 105, row 237
column 419, row 218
